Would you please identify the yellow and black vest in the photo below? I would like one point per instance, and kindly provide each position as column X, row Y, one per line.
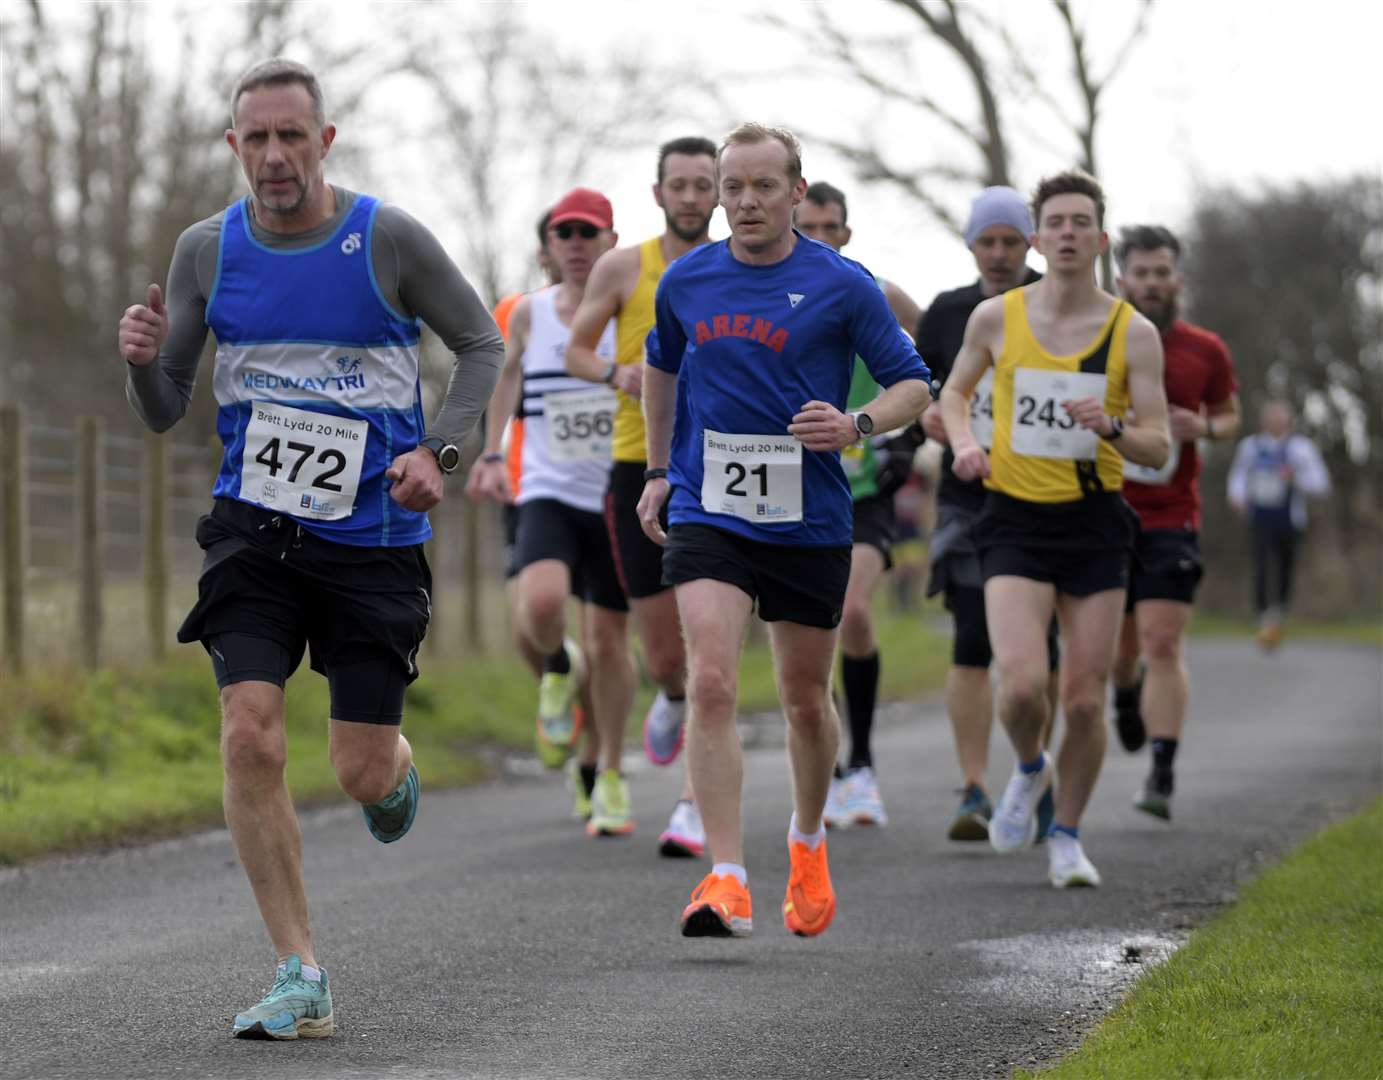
column 1029, row 385
column 632, row 325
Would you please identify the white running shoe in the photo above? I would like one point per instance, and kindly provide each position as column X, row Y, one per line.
column 1067, row 866
column 863, row 803
column 835, row 815
column 1014, row 824
column 685, row 836
column 664, row 729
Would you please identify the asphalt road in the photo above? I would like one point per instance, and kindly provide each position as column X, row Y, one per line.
column 497, row 940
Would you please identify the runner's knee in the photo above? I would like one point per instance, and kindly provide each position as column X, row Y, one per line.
column 366, row 777
column 252, row 738
column 712, row 693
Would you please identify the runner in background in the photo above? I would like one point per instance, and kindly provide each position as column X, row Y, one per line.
column 1273, row 474
column 876, row 468
column 622, row 288
column 1166, row 565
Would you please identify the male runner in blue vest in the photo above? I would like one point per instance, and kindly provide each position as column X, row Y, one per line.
column 745, row 410
column 315, row 537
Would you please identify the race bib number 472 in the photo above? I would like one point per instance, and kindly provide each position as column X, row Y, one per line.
column 755, row 477
column 302, row 463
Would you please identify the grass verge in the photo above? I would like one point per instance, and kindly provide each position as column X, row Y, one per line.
column 1287, row 983
column 1360, row 631
column 133, row 754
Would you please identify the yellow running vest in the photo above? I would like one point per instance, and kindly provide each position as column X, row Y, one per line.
column 632, row 325
column 1040, row 454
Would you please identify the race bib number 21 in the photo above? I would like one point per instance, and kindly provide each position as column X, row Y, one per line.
column 755, row 477
column 302, row 463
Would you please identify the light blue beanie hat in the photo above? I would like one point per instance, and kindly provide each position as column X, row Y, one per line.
column 998, row 206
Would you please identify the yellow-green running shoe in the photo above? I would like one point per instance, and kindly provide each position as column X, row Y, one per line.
column 580, row 797
column 294, row 1007
column 610, row 813
column 559, row 719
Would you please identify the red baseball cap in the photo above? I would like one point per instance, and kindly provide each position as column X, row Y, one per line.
column 583, row 204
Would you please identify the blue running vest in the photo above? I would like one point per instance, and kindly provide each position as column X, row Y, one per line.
column 316, row 382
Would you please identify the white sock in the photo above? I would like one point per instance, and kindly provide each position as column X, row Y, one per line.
column 310, row 973
column 731, row 869
column 812, row 840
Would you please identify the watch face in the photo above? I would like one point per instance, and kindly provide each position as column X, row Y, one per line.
column 864, row 423
column 448, row 457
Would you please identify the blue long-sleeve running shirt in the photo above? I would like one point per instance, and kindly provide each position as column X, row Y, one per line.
column 750, row 346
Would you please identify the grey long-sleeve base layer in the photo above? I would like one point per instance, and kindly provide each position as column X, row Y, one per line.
column 414, row 273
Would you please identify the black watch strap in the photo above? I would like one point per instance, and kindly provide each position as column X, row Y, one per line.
column 1116, row 428
column 448, row 456
column 654, row 474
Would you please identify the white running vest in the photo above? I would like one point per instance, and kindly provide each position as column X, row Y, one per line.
column 568, row 423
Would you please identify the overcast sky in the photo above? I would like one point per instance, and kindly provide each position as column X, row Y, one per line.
column 1218, row 91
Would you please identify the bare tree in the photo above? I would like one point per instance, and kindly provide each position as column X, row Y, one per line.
column 519, row 122
column 106, row 159
column 910, row 73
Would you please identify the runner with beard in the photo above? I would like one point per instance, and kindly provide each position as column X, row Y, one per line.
column 1202, row 403
column 622, row 287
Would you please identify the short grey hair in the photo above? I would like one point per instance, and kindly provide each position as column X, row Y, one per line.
column 750, row 132
column 280, row 71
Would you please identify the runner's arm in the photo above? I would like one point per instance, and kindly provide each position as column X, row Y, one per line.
column 159, row 392
column 1146, row 439
column 430, row 286
column 1237, row 484
column 600, row 303
column 1308, row 468
column 489, row 477
column 976, row 356
column 904, row 307
column 1222, row 420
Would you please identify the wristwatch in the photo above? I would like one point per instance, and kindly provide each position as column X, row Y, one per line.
column 1116, row 428
column 448, row 456
column 864, row 423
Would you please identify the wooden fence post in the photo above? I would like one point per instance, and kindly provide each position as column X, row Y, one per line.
column 155, row 528
column 90, row 496
column 13, row 509
column 470, row 547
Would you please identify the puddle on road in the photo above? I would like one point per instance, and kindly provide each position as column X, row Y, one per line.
column 1066, row 968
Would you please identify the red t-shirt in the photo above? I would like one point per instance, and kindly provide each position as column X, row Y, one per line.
column 1198, row 372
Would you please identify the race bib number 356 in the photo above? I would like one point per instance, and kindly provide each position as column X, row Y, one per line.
column 1041, row 427
column 755, row 477
column 302, row 463
column 580, row 424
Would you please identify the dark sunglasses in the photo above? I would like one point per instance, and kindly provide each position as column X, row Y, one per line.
column 583, row 229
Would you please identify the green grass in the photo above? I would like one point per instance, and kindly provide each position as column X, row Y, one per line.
column 1358, row 631
column 133, row 753
column 1286, row 983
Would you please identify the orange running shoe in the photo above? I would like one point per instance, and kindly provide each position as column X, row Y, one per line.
column 720, row 907
column 810, row 903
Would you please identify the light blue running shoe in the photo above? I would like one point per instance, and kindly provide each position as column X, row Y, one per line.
column 294, row 1007
column 392, row 817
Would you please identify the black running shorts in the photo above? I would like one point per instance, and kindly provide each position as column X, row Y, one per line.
column 788, row 583
column 270, row 589
column 1166, row 566
column 1081, row 547
column 637, row 558
column 549, row 529
column 876, row 525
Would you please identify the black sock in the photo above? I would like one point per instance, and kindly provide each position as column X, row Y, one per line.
column 1163, row 751
column 861, row 678
column 588, row 778
column 559, row 663
column 1126, row 697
